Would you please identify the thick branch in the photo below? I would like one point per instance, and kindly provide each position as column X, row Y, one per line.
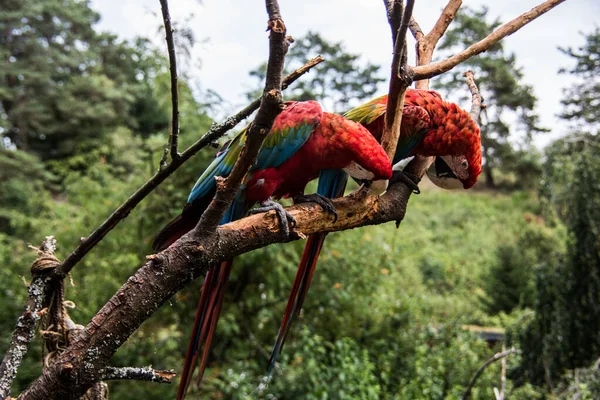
column 174, row 136
column 496, row 357
column 438, row 68
column 26, row 324
column 80, row 365
column 270, row 107
column 138, row 374
column 215, row 132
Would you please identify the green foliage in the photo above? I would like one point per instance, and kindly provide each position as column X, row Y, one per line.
column 507, row 97
column 582, row 101
column 510, row 281
column 341, row 81
column 65, row 85
column 563, row 334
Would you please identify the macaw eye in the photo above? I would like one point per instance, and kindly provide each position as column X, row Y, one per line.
column 464, row 164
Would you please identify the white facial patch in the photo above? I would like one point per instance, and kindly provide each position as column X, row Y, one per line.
column 444, row 183
column 358, row 172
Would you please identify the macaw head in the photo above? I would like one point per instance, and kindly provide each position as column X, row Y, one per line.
column 449, row 172
column 456, row 143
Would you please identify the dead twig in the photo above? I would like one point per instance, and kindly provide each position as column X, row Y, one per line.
column 496, row 357
column 476, row 99
column 138, row 374
column 174, row 134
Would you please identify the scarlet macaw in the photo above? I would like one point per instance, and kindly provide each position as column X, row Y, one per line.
column 430, row 127
column 303, row 142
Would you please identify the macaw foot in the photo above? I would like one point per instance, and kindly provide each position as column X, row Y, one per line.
column 325, row 202
column 285, row 218
column 408, row 179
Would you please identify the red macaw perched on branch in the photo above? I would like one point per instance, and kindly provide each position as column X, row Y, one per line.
column 430, row 127
column 304, row 141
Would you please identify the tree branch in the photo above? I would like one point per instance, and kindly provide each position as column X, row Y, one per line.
column 476, row 100
column 174, row 136
column 426, row 43
column 496, row 357
column 215, row 132
column 26, row 324
column 138, row 374
column 434, row 69
column 72, row 372
column 270, row 107
column 400, row 78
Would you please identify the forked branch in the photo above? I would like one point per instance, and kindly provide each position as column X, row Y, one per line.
column 438, row 68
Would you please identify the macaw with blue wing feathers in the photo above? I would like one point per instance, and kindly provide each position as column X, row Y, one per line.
column 303, row 142
column 430, row 127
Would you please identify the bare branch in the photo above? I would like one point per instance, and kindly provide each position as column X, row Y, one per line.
column 26, row 324
column 426, row 44
column 434, row 69
column 415, row 29
column 138, row 374
column 496, row 357
column 400, row 78
column 270, row 107
column 174, row 135
column 443, row 22
column 476, row 101
column 216, row 131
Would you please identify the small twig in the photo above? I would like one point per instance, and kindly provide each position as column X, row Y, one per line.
column 496, row 357
column 438, row 68
column 215, row 132
column 476, row 100
column 174, row 135
column 503, row 375
column 270, row 107
column 25, row 328
column 138, row 374
column 301, row 71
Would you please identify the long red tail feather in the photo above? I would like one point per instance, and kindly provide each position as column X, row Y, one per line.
column 207, row 317
column 300, row 287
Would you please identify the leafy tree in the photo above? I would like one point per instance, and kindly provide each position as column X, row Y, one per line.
column 506, row 96
column 564, row 332
column 64, row 85
column 341, row 81
column 582, row 101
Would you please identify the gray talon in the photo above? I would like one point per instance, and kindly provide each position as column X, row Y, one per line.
column 325, row 202
column 286, row 220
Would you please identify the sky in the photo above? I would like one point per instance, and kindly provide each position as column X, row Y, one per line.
column 232, row 39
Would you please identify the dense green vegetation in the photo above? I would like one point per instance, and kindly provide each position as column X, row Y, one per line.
column 385, row 314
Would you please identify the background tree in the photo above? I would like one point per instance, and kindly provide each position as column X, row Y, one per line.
column 341, row 82
column 582, row 100
column 64, row 87
column 564, row 332
column 507, row 98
